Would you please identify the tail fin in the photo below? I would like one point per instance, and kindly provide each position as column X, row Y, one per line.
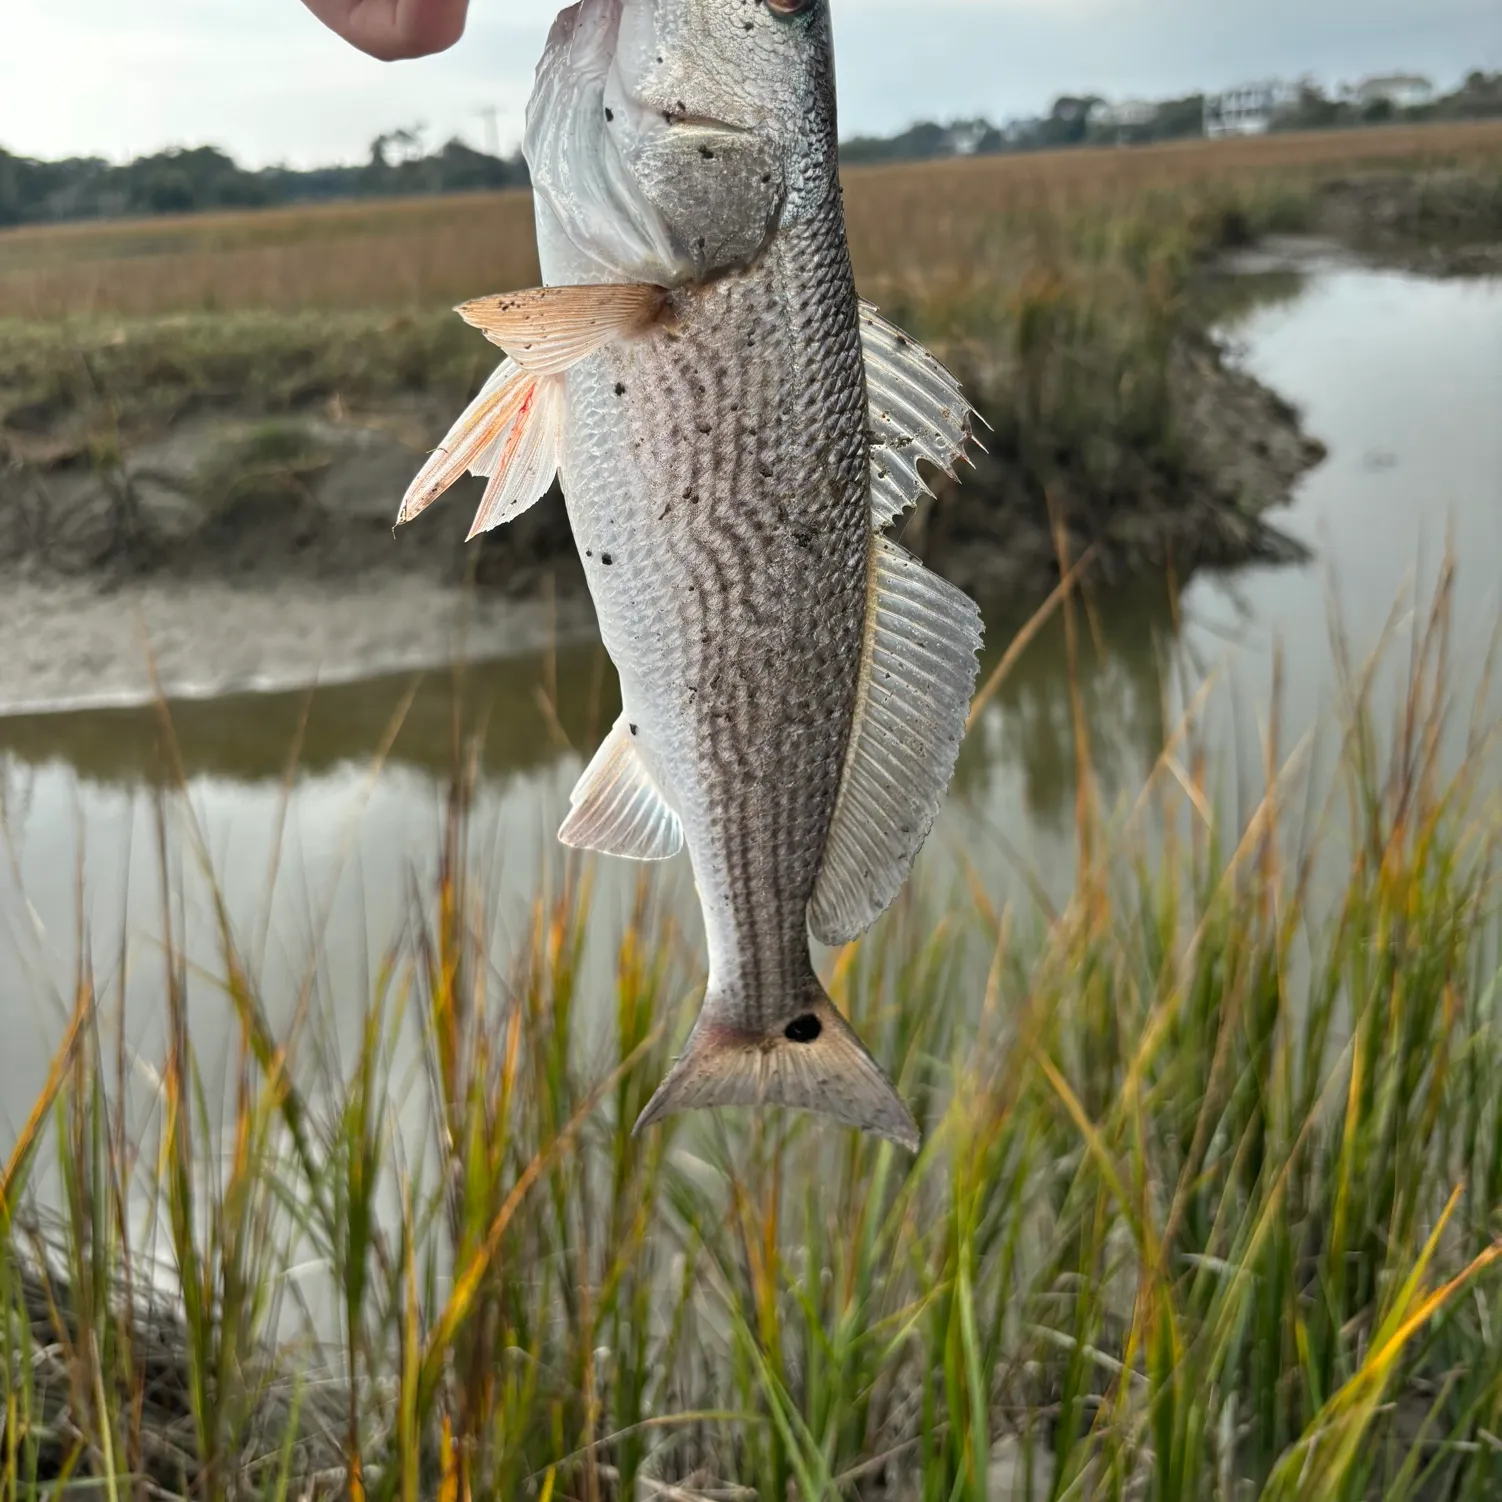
column 814, row 1063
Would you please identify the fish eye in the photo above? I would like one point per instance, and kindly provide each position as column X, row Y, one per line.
column 790, row 7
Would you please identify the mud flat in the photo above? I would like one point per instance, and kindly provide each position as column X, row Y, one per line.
column 240, row 551
column 221, row 490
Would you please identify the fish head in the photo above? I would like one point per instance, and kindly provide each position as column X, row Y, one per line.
column 668, row 140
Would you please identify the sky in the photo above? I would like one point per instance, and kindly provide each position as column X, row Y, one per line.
column 264, row 81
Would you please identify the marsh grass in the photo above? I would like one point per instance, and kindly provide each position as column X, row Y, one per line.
column 1207, row 1207
column 432, row 252
column 1063, row 288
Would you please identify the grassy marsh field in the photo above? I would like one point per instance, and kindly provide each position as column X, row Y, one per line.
column 1067, row 290
column 1207, row 1208
column 911, row 227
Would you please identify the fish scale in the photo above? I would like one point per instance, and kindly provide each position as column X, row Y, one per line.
column 700, row 374
column 745, row 707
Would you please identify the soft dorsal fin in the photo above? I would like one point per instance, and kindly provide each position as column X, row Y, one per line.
column 618, row 808
column 917, row 411
column 917, row 676
column 511, row 431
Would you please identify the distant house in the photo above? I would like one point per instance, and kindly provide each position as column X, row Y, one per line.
column 1129, row 114
column 965, row 136
column 1404, row 91
column 1249, row 109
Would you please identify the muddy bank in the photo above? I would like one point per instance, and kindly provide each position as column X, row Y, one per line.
column 237, row 553
column 259, row 502
column 225, row 488
column 1438, row 223
column 257, row 550
column 1237, row 451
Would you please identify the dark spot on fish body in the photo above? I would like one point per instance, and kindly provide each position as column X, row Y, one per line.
column 606, row 559
column 609, row 115
column 708, row 155
column 805, row 1029
column 620, row 388
column 633, row 730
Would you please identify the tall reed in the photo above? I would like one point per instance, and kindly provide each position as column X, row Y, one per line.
column 1206, row 1207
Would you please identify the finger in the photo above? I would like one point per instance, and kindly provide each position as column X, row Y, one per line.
column 394, row 29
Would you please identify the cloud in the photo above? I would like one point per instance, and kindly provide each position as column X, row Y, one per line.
column 984, row 57
column 263, row 79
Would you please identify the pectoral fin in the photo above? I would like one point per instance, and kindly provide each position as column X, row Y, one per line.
column 618, row 808
column 548, row 329
column 918, row 673
column 512, row 431
column 917, row 411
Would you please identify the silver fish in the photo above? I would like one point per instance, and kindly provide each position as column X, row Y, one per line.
column 734, row 430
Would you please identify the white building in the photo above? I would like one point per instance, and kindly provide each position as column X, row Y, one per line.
column 1249, row 109
column 966, row 136
column 1404, row 91
column 1130, row 114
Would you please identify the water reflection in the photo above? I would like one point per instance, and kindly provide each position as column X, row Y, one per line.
column 1401, row 378
column 524, row 713
column 1120, row 647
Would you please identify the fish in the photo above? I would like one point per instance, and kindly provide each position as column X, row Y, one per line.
column 735, row 431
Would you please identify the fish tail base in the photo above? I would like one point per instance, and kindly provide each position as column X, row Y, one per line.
column 813, row 1062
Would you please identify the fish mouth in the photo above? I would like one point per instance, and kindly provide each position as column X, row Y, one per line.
column 709, row 123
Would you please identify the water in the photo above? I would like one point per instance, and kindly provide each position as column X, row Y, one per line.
column 1401, row 377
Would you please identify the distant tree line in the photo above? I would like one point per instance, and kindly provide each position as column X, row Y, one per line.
column 1478, row 98
column 204, row 178
column 1086, row 120
column 1069, row 122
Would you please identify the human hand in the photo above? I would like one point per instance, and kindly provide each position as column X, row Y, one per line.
column 392, row 29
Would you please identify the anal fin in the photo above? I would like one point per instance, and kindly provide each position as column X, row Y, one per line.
column 618, row 808
column 917, row 677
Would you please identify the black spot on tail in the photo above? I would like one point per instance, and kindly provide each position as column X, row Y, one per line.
column 805, row 1029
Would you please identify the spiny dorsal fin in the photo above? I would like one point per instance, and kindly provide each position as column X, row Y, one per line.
column 814, row 1063
column 917, row 411
column 548, row 329
column 618, row 808
column 917, row 676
